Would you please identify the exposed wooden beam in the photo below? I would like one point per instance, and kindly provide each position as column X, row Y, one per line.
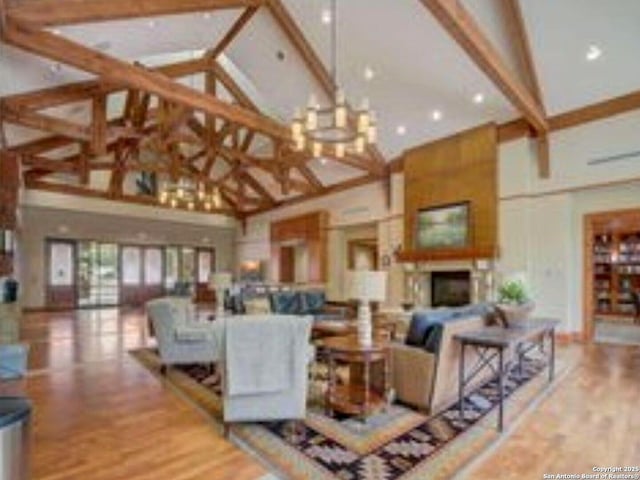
column 68, row 12
column 335, row 188
column 46, row 123
column 310, row 177
column 41, row 145
column 92, row 193
column 519, row 128
column 232, row 87
column 58, row 48
column 38, row 162
column 86, row 90
column 542, row 147
column 596, row 111
column 455, row 18
column 233, row 32
column 99, row 125
column 515, row 24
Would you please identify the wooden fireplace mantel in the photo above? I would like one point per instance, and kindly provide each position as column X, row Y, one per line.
column 447, row 254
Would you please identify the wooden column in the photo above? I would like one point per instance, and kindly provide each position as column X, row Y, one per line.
column 9, row 185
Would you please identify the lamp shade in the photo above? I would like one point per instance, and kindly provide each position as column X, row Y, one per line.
column 220, row 280
column 367, row 285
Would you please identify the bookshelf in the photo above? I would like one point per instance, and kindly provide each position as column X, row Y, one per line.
column 616, row 272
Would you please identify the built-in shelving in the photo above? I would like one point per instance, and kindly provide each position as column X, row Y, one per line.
column 616, row 273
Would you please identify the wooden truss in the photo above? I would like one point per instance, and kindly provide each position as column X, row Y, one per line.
column 189, row 131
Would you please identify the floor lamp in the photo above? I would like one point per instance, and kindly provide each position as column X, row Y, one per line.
column 366, row 286
column 220, row 282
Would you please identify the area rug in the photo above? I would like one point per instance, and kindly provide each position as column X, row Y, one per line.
column 398, row 444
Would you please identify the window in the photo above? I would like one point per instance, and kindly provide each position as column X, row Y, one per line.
column 153, row 266
column 61, row 264
column 205, row 261
column 172, row 267
column 130, row 264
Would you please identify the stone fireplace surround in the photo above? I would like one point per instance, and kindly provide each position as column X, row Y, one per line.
column 418, row 280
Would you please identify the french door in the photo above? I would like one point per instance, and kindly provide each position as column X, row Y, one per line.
column 61, row 274
column 142, row 273
column 98, row 274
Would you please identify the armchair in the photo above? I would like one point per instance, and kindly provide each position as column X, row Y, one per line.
column 264, row 367
column 181, row 340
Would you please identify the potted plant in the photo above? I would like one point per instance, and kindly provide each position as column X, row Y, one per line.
column 514, row 299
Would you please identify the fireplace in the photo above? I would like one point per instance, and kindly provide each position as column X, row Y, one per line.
column 451, row 288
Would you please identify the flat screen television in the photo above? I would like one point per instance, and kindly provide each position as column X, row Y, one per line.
column 445, row 226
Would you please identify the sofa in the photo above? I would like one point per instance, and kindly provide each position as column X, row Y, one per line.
column 425, row 366
column 283, row 301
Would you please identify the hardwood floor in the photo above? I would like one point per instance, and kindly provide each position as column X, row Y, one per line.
column 590, row 420
column 99, row 415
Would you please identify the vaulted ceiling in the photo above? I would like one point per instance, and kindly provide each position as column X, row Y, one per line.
column 419, row 60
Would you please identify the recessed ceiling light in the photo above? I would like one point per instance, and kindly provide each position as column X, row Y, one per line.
column 401, row 130
column 206, row 240
column 151, row 23
column 369, row 73
column 55, row 68
column 593, row 53
column 478, row 98
column 55, row 31
column 206, row 15
column 326, row 16
column 436, row 115
column 323, row 161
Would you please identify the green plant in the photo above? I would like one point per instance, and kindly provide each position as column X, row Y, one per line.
column 513, row 292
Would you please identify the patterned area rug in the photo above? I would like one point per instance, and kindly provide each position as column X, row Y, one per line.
column 397, row 444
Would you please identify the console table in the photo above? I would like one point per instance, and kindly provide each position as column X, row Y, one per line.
column 491, row 343
column 359, row 395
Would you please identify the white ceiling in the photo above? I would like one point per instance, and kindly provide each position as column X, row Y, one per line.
column 418, row 68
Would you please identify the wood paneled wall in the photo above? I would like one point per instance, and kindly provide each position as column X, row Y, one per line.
column 461, row 168
column 310, row 229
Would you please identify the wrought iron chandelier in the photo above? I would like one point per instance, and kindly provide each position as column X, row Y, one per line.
column 337, row 129
column 191, row 195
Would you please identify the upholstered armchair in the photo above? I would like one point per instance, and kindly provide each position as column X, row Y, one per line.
column 264, row 361
column 182, row 340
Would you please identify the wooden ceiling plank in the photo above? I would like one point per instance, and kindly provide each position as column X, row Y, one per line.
column 44, row 13
column 64, row 50
column 455, row 18
column 41, row 145
column 233, row 32
column 515, row 24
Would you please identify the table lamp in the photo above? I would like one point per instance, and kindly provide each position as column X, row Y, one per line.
column 366, row 286
column 220, row 282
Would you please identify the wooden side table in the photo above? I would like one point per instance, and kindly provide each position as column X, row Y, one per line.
column 358, row 396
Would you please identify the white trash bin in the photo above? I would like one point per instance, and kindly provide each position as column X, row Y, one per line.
column 15, row 421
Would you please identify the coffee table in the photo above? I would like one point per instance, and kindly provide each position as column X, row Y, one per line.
column 359, row 396
column 491, row 343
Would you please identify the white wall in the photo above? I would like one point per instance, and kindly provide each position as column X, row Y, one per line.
column 39, row 223
column 541, row 229
column 364, row 205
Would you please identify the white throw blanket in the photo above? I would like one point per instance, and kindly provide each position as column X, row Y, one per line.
column 259, row 353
